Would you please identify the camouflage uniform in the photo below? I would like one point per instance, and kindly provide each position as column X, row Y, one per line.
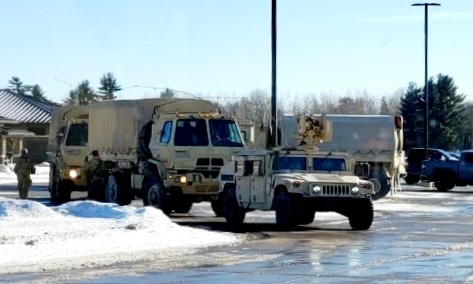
column 23, row 169
column 94, row 170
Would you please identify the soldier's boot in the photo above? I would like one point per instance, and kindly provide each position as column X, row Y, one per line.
column 23, row 192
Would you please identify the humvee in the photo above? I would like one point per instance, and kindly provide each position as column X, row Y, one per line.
column 296, row 182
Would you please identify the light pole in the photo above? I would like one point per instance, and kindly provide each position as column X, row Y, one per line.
column 273, row 120
column 426, row 80
column 70, row 85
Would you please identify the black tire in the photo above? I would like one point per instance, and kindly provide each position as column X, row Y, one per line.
column 54, row 193
column 116, row 191
column 217, row 205
column 412, row 179
column 60, row 193
column 361, row 214
column 183, row 206
column 284, row 214
column 305, row 217
column 379, row 178
column 444, row 182
column 154, row 195
column 233, row 213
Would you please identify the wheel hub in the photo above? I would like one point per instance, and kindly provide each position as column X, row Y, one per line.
column 111, row 189
column 153, row 195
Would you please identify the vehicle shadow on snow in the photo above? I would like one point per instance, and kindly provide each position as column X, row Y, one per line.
column 222, row 226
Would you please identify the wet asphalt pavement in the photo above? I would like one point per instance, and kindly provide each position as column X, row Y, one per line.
column 420, row 236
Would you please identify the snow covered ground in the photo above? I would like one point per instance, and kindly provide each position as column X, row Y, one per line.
column 34, row 237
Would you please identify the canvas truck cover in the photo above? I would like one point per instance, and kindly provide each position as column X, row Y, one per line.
column 114, row 126
column 356, row 134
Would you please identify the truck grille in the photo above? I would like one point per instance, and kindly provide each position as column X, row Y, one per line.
column 336, row 190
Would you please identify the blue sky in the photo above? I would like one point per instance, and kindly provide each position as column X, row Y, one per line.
column 223, row 47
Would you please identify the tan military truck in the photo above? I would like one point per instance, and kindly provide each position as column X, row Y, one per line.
column 296, row 182
column 67, row 148
column 167, row 151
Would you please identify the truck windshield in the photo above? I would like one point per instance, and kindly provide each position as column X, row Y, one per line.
column 328, row 164
column 191, row 132
column 78, row 134
column 292, row 163
column 224, row 133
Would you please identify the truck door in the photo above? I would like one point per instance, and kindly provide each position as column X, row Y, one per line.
column 465, row 169
column 257, row 183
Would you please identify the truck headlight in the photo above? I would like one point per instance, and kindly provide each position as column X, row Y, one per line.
column 355, row 190
column 183, row 179
column 73, row 173
column 316, row 189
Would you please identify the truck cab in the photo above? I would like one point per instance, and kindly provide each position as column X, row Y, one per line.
column 416, row 156
column 192, row 147
column 296, row 183
column 68, row 148
column 448, row 173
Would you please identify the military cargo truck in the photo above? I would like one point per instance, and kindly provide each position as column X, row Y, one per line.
column 296, row 182
column 374, row 141
column 167, row 151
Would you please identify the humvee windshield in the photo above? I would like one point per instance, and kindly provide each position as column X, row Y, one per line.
column 193, row 132
column 329, row 164
column 292, row 163
column 77, row 135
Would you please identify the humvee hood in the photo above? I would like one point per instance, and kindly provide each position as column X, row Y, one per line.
column 322, row 178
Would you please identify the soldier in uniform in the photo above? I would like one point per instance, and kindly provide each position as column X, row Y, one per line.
column 23, row 169
column 94, row 170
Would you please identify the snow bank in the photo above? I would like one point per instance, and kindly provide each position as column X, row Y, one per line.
column 33, row 236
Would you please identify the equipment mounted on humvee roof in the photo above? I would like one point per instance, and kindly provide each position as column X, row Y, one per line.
column 296, row 182
column 167, row 151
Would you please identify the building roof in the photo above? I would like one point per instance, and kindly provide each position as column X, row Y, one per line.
column 25, row 108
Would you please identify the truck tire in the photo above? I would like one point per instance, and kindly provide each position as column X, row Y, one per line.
column 379, row 179
column 305, row 217
column 361, row 214
column 233, row 213
column 217, row 205
column 154, row 195
column 116, row 190
column 183, row 206
column 60, row 193
column 444, row 182
column 412, row 179
column 284, row 213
